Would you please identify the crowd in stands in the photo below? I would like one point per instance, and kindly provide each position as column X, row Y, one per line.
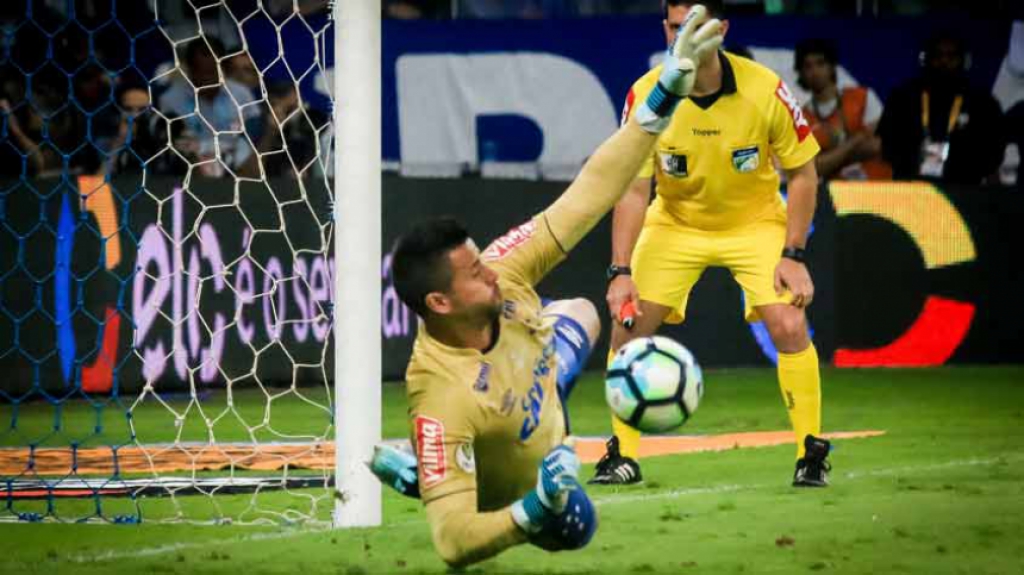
column 211, row 113
column 206, row 113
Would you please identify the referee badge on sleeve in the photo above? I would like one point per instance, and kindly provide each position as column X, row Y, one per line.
column 673, row 164
column 746, row 160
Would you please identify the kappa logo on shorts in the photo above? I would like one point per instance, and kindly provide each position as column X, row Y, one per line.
column 673, row 164
column 430, row 450
column 800, row 124
column 515, row 237
column 746, row 160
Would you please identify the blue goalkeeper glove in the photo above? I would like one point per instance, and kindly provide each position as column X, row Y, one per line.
column 395, row 468
column 679, row 71
column 557, row 477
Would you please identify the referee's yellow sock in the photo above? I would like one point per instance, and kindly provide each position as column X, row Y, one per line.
column 629, row 438
column 800, row 382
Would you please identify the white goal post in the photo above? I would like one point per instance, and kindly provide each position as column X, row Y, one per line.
column 357, row 281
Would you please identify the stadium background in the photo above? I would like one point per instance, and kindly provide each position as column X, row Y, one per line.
column 111, row 275
column 501, row 157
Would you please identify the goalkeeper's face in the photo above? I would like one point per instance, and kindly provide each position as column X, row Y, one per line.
column 474, row 291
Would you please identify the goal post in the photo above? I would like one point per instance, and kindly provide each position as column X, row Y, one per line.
column 357, row 281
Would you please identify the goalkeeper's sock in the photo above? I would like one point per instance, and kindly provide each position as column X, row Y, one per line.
column 800, row 382
column 629, row 438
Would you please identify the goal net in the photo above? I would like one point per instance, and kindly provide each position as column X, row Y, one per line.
column 167, row 262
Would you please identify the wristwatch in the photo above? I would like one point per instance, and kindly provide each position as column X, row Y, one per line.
column 615, row 271
column 795, row 254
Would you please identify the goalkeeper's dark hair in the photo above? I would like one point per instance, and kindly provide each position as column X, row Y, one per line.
column 715, row 7
column 420, row 265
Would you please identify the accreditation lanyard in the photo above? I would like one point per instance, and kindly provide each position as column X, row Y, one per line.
column 954, row 113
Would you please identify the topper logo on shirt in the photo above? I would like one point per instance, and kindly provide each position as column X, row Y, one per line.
column 800, row 123
column 430, row 449
column 515, row 237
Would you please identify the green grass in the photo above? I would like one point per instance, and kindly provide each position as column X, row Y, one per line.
column 941, row 492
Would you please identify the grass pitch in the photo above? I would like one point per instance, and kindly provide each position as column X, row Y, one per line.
column 941, row 492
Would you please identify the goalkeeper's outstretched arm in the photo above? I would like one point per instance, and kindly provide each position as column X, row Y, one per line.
column 462, row 535
column 607, row 174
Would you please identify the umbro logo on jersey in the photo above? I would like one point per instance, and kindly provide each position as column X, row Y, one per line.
column 430, row 450
column 706, row 133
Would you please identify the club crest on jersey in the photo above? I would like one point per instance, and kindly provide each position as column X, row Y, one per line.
column 430, row 450
column 465, row 458
column 673, row 164
column 746, row 160
column 483, row 380
column 800, row 123
column 515, row 237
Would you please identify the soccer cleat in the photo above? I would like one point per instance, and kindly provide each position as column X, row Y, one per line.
column 812, row 470
column 614, row 469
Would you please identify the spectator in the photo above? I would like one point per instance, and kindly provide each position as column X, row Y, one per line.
column 937, row 126
column 1015, row 128
column 843, row 119
column 294, row 122
column 241, row 69
column 32, row 128
column 141, row 135
column 215, row 134
column 415, row 9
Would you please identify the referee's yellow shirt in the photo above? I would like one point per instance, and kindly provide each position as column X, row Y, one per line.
column 713, row 166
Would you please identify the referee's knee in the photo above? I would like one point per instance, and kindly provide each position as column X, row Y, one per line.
column 789, row 331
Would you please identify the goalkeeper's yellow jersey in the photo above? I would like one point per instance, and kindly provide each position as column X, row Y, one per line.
column 713, row 166
column 484, row 421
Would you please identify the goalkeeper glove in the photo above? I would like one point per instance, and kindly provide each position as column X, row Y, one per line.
column 679, row 72
column 556, row 479
column 395, row 468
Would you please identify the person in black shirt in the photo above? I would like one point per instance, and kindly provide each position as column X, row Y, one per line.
column 937, row 126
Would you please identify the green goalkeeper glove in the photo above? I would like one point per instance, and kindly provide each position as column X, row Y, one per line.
column 679, row 71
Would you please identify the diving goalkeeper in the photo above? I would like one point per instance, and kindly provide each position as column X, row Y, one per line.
column 491, row 365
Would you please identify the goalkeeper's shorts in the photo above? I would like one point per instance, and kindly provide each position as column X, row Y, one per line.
column 669, row 259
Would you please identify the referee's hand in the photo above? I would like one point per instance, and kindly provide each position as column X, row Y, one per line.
column 622, row 290
column 793, row 276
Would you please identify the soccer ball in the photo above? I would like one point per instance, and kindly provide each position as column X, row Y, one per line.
column 654, row 384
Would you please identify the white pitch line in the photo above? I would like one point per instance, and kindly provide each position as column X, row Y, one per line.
column 163, row 549
column 615, row 499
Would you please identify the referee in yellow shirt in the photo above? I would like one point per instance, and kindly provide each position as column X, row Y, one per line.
column 718, row 204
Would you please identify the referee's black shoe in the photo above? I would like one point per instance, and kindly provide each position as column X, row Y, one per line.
column 812, row 470
column 615, row 469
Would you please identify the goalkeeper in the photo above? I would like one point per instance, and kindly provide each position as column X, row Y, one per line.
column 491, row 366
